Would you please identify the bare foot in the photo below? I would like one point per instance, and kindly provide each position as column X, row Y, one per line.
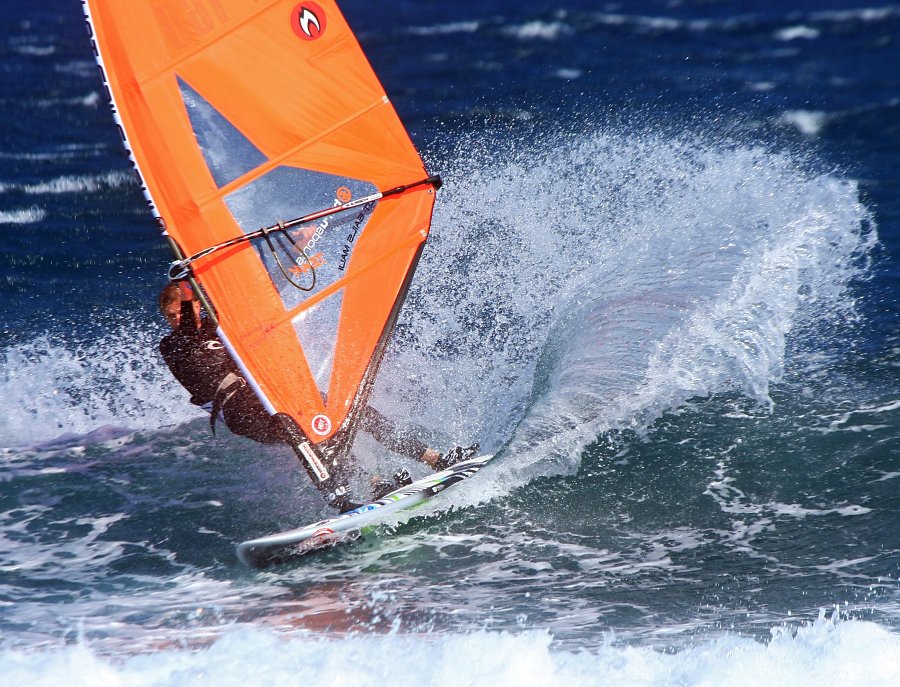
column 429, row 457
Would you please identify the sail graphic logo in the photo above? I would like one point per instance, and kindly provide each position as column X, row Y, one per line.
column 319, row 470
column 308, row 21
column 321, row 425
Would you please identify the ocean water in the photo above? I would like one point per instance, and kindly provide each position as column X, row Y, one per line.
column 662, row 284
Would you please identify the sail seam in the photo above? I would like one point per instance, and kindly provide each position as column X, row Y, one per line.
column 275, row 162
column 227, row 31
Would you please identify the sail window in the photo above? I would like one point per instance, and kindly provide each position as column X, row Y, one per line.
column 317, row 330
column 228, row 153
column 287, row 192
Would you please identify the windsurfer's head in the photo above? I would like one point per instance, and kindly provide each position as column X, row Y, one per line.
column 170, row 299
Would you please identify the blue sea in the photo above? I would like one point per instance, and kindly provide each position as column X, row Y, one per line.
column 663, row 285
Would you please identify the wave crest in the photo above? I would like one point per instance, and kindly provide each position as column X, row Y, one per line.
column 592, row 283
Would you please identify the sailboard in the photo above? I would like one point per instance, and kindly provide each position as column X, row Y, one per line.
column 285, row 183
column 292, row 544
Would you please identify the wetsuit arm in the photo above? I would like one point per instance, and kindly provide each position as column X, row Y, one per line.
column 387, row 434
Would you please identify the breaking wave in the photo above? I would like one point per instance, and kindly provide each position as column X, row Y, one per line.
column 593, row 283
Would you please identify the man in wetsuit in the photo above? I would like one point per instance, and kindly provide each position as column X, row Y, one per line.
column 199, row 361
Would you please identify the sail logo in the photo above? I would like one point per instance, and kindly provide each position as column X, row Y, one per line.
column 304, row 264
column 317, row 234
column 319, row 470
column 308, row 21
column 354, row 232
column 321, row 425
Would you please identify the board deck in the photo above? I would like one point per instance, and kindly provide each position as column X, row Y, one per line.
column 284, row 546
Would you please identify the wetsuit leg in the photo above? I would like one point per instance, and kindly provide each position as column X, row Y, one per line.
column 387, row 434
column 246, row 416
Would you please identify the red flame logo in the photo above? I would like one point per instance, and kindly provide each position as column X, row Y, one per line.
column 308, row 21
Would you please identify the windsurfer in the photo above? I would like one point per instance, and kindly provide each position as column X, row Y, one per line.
column 199, row 361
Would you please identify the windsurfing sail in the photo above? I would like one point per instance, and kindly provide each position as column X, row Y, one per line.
column 286, row 184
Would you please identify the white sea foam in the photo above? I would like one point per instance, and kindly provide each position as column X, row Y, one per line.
column 670, row 24
column 825, row 653
column 751, row 518
column 737, row 22
column 568, row 74
column 66, row 152
column 92, row 99
column 50, row 387
column 866, row 14
column 444, row 29
column 78, row 183
column 78, row 68
column 542, row 30
column 795, row 510
column 597, row 282
column 809, row 122
column 23, row 216
column 655, row 23
column 35, row 50
column 794, row 32
column 37, row 560
column 852, row 421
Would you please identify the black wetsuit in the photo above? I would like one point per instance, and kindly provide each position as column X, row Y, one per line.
column 199, row 361
column 389, row 436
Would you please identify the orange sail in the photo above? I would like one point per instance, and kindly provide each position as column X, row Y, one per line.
column 243, row 115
